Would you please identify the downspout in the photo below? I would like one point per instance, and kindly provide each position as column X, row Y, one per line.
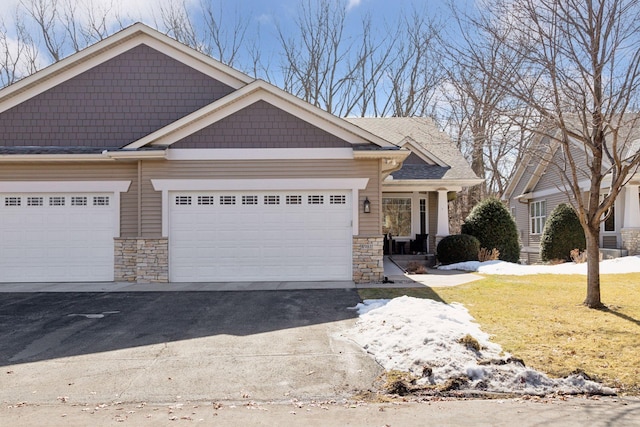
column 380, row 182
column 139, row 198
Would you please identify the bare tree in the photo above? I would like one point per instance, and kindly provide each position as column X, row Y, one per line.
column 315, row 56
column 415, row 72
column 206, row 29
column 45, row 14
column 581, row 74
column 177, row 23
column 224, row 41
column 85, row 22
column 489, row 123
column 18, row 53
column 67, row 26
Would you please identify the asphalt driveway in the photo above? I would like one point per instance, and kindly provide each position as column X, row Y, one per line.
column 163, row 346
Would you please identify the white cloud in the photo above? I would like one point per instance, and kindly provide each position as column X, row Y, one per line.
column 146, row 11
column 353, row 4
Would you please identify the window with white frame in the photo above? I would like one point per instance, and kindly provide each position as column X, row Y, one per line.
column 538, row 216
column 396, row 216
column 609, row 223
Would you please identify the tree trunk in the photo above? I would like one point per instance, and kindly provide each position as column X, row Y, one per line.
column 593, row 269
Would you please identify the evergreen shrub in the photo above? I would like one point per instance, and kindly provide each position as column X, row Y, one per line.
column 562, row 234
column 458, row 248
column 492, row 224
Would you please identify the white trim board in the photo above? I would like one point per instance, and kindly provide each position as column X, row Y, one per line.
column 64, row 186
column 259, row 153
column 114, row 187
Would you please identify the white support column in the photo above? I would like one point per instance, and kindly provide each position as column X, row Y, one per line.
column 443, row 214
column 631, row 207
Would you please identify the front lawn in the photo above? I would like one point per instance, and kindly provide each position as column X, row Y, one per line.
column 540, row 319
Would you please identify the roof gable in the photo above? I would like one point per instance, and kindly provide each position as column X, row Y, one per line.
column 248, row 95
column 123, row 41
column 112, row 104
column 240, row 90
column 442, row 159
column 261, row 125
column 421, row 152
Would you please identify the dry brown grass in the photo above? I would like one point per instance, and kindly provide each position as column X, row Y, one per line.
column 541, row 320
column 488, row 255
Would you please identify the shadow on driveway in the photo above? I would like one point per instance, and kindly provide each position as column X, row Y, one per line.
column 42, row 326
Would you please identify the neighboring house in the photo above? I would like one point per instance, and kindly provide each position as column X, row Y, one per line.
column 140, row 159
column 415, row 197
column 537, row 188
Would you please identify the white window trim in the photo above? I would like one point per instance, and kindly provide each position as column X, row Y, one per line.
column 114, row 187
column 328, row 184
column 414, row 201
column 531, row 217
column 415, row 210
column 616, row 213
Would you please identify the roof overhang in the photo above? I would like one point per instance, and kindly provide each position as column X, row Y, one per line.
column 400, row 185
column 391, row 159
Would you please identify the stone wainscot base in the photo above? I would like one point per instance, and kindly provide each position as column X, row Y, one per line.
column 368, row 259
column 631, row 240
column 141, row 260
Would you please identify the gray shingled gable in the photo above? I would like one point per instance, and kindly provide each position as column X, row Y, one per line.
column 261, row 125
column 423, row 132
column 112, row 104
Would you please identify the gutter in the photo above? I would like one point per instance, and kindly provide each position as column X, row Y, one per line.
column 51, row 157
column 135, row 155
column 105, row 155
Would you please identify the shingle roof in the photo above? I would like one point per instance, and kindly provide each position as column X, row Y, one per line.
column 424, row 132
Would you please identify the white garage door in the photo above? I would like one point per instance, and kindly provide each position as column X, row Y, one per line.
column 56, row 237
column 260, row 236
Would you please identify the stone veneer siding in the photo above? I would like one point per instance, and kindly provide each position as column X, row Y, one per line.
column 367, row 259
column 141, row 260
column 631, row 240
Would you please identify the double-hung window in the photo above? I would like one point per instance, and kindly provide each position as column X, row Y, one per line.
column 538, row 216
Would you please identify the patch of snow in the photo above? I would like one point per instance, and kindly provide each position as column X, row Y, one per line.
column 629, row 264
column 369, row 304
column 411, row 334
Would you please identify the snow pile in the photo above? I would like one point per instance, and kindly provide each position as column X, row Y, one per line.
column 422, row 337
column 629, row 264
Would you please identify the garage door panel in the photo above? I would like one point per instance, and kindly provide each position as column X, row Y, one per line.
column 45, row 238
column 260, row 242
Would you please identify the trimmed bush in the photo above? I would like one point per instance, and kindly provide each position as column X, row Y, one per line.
column 458, row 248
column 492, row 224
column 562, row 234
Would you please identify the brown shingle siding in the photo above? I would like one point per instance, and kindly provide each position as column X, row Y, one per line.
column 261, row 125
column 112, row 104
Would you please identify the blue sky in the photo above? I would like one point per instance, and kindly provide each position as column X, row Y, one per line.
column 262, row 13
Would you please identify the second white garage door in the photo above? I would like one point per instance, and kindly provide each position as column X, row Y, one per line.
column 260, row 236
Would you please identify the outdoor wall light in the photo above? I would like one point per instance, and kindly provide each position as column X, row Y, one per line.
column 367, row 205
